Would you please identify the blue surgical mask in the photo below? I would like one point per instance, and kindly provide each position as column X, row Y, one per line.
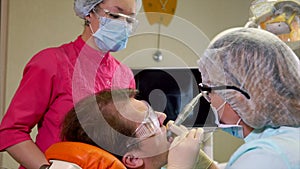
column 235, row 130
column 112, row 34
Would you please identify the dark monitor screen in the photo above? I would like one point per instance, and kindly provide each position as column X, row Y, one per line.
column 169, row 89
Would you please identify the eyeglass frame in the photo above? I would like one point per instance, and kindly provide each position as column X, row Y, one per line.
column 208, row 89
column 152, row 119
column 115, row 15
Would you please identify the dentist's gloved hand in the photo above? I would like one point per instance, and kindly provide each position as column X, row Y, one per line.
column 184, row 150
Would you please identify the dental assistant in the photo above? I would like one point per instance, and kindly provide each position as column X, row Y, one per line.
column 254, row 81
column 56, row 78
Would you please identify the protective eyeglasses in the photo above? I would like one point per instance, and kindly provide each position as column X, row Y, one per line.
column 119, row 16
column 205, row 89
column 129, row 19
column 148, row 128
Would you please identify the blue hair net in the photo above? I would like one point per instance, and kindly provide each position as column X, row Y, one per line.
column 82, row 8
column 261, row 64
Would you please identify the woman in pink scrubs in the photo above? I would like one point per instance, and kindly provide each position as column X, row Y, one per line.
column 56, row 78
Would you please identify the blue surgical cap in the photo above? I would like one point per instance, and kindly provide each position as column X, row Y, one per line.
column 82, row 8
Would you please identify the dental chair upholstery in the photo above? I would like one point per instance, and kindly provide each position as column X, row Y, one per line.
column 84, row 155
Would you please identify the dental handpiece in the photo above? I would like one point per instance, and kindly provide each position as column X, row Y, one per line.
column 188, row 108
column 186, row 111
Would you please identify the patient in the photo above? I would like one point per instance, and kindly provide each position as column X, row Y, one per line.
column 130, row 130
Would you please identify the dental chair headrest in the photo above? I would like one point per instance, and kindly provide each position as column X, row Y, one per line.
column 84, row 155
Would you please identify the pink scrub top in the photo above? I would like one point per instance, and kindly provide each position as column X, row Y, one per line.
column 53, row 80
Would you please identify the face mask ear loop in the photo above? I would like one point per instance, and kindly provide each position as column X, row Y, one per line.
column 215, row 111
column 91, row 29
column 218, row 109
column 94, row 11
column 238, row 122
column 221, row 106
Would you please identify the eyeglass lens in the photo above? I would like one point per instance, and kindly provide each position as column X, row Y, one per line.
column 149, row 126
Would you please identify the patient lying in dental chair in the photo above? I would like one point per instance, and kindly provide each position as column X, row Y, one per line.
column 113, row 130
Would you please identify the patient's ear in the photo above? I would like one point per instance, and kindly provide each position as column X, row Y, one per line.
column 129, row 160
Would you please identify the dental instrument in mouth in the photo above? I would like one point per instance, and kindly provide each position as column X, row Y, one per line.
column 186, row 111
